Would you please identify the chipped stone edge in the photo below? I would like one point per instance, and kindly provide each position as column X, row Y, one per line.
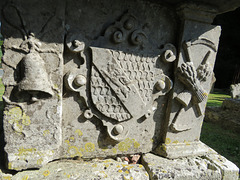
column 187, row 149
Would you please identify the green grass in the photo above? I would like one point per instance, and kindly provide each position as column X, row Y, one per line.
column 224, row 141
column 216, row 99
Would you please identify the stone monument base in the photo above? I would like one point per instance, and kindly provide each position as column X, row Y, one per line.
column 208, row 166
column 173, row 151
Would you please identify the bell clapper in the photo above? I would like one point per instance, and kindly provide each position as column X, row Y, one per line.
column 34, row 97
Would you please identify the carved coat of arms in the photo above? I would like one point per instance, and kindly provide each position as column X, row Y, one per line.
column 122, row 77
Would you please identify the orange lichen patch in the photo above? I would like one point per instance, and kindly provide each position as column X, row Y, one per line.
column 79, row 132
column 175, row 142
column 136, row 144
column 114, row 150
column 46, row 132
column 23, row 152
column 25, row 177
column 186, row 142
column 46, row 173
column 7, row 177
column 167, row 141
column 89, row 147
column 127, row 144
column 17, row 118
column 73, row 151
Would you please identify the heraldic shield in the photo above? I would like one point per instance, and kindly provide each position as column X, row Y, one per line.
column 121, row 83
column 121, row 76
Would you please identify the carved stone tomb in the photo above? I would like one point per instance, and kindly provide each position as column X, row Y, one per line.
column 103, row 79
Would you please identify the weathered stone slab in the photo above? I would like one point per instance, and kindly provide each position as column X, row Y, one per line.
column 67, row 169
column 5, row 175
column 211, row 166
column 33, row 70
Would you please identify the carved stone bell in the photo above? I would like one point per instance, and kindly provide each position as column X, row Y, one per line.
column 35, row 77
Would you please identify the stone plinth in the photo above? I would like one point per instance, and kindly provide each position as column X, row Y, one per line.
column 207, row 167
column 211, row 166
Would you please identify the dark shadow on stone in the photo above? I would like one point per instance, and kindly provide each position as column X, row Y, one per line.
column 160, row 121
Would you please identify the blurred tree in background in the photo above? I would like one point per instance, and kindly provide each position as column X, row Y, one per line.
column 1, row 42
column 227, row 67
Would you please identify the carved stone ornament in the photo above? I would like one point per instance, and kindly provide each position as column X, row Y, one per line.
column 34, row 80
column 123, row 83
column 33, row 65
column 193, row 78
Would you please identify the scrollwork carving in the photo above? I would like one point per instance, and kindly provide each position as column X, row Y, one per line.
column 169, row 54
column 75, row 42
column 138, row 37
column 74, row 80
column 126, row 30
column 123, row 84
column 118, row 36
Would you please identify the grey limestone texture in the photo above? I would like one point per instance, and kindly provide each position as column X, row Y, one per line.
column 153, row 167
column 95, row 170
column 191, row 87
column 89, row 78
column 33, row 74
column 211, row 166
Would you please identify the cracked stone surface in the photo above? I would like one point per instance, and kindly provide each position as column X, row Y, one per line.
column 72, row 169
column 208, row 167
